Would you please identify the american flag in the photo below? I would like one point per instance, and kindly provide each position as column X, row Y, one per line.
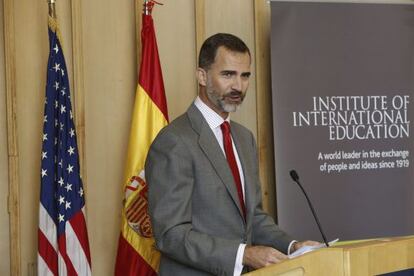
column 62, row 235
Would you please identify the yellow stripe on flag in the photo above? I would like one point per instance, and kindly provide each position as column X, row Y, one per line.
column 144, row 246
column 147, row 121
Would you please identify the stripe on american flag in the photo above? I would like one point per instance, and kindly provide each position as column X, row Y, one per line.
column 43, row 269
column 75, row 250
column 45, row 250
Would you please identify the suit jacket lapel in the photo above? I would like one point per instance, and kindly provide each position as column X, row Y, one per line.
column 212, row 150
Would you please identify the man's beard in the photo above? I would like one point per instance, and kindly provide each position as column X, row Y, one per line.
column 220, row 101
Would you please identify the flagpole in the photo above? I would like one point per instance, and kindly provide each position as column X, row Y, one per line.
column 146, row 7
column 52, row 10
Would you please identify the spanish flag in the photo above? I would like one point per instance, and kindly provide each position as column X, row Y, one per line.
column 137, row 254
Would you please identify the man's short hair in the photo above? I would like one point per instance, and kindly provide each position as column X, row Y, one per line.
column 209, row 48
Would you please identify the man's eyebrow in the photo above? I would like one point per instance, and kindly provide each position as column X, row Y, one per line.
column 226, row 72
column 232, row 72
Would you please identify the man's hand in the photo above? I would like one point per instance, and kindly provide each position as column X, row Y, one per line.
column 261, row 256
column 298, row 245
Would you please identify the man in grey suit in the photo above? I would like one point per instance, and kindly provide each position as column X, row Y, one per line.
column 203, row 178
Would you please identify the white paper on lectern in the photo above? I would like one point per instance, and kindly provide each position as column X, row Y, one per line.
column 307, row 248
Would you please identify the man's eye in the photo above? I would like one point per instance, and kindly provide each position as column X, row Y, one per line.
column 226, row 73
column 245, row 76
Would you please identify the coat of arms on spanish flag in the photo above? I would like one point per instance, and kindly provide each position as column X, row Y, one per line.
column 137, row 254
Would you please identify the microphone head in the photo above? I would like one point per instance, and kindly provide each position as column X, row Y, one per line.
column 294, row 175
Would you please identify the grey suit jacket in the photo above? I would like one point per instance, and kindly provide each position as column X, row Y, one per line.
column 193, row 203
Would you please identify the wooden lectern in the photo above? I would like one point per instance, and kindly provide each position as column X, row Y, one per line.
column 360, row 258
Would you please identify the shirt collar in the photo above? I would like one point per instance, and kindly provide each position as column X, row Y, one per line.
column 213, row 119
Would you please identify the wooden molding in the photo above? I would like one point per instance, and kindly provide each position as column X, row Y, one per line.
column 200, row 22
column 13, row 154
column 264, row 105
column 78, row 91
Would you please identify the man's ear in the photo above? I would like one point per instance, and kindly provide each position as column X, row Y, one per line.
column 201, row 75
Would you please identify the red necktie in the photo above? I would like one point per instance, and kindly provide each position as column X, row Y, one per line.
column 231, row 159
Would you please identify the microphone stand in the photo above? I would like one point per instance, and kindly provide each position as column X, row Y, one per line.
column 295, row 178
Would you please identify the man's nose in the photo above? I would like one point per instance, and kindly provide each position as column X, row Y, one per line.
column 237, row 83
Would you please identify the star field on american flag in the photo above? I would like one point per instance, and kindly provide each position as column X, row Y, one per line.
column 63, row 239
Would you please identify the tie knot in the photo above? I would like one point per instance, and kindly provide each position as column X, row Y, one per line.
column 225, row 127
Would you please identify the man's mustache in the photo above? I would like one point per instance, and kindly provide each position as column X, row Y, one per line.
column 234, row 93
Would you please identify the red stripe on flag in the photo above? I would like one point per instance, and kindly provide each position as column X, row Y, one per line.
column 47, row 252
column 62, row 250
column 129, row 262
column 131, row 188
column 150, row 75
column 79, row 227
column 139, row 212
column 131, row 209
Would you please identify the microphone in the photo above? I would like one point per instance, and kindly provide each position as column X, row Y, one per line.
column 295, row 178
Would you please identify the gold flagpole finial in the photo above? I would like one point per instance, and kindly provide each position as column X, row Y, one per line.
column 52, row 10
column 148, row 5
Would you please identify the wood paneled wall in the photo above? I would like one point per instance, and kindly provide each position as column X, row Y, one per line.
column 4, row 189
column 100, row 43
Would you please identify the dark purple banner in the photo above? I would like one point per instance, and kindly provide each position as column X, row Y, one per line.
column 343, row 96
